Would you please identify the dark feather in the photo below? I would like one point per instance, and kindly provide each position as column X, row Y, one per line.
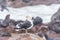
column 25, row 24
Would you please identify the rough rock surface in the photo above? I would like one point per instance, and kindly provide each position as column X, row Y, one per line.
column 25, row 37
column 21, row 3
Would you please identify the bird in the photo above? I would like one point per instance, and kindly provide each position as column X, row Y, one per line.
column 26, row 24
column 37, row 20
column 3, row 5
column 17, row 23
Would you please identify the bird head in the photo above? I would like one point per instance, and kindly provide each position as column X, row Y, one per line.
column 27, row 18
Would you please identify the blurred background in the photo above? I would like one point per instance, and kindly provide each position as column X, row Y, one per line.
column 19, row 8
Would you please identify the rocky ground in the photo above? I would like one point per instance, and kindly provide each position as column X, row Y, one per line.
column 22, row 37
column 21, row 3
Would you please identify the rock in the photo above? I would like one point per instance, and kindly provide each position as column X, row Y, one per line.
column 35, row 29
column 5, row 34
column 37, row 20
column 56, row 16
column 29, row 37
column 5, row 22
column 21, row 3
column 52, row 36
column 54, row 25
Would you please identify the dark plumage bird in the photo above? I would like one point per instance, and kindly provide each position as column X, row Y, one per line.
column 24, row 25
column 6, row 21
column 37, row 20
column 3, row 4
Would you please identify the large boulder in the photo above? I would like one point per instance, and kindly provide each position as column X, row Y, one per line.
column 55, row 22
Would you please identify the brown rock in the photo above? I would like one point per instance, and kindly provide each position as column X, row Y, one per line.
column 35, row 29
column 29, row 37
